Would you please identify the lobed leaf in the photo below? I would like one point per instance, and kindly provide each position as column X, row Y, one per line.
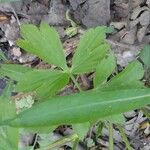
column 43, row 42
column 129, row 78
column 91, row 49
column 8, row 108
column 9, row 138
column 145, row 56
column 83, row 107
column 104, row 69
column 15, row 72
column 8, row 135
column 44, row 82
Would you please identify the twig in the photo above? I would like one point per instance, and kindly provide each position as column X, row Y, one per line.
column 16, row 16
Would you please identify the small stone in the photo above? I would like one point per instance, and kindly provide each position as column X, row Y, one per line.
column 141, row 33
column 26, row 58
column 75, row 3
column 148, row 2
column 16, row 51
column 130, row 114
column 98, row 13
column 145, row 18
column 56, row 14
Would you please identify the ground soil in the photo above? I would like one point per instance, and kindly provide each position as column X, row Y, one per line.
column 131, row 22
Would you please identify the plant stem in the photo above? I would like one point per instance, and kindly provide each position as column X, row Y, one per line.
column 75, row 82
column 35, row 141
column 100, row 128
column 124, row 137
column 60, row 142
column 75, row 144
column 111, row 142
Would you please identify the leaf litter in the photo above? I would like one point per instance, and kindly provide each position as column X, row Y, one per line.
column 125, row 52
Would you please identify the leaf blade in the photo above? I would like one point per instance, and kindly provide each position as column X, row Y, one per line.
column 96, row 104
column 15, row 72
column 8, row 136
column 43, row 42
column 91, row 49
column 44, row 82
column 129, row 78
column 145, row 55
column 104, row 70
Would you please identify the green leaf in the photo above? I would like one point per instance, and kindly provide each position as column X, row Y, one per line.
column 44, row 82
column 8, row 135
column 41, row 130
column 2, row 56
column 91, row 49
column 129, row 78
column 80, row 108
column 13, row 71
column 116, row 119
column 7, row 107
column 9, row 138
column 43, row 42
column 145, row 55
column 104, row 70
column 81, row 129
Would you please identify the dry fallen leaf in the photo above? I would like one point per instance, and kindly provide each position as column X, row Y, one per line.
column 3, row 17
column 141, row 33
column 144, row 19
column 137, row 11
column 148, row 2
column 118, row 25
column 136, row 3
column 130, row 36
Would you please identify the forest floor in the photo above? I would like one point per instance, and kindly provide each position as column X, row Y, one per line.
column 131, row 22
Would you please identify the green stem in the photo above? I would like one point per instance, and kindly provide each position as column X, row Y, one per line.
column 35, row 141
column 75, row 82
column 111, row 142
column 79, row 88
column 99, row 130
column 60, row 142
column 124, row 137
column 75, row 143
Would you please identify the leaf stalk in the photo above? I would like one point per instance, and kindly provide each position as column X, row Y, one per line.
column 75, row 82
column 124, row 137
column 60, row 142
column 111, row 141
